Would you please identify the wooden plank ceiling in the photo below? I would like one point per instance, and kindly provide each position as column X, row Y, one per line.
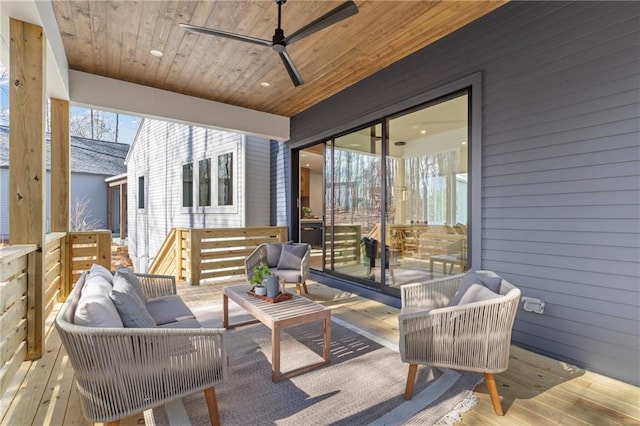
column 113, row 39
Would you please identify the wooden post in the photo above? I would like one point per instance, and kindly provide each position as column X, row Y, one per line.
column 195, row 260
column 178, row 253
column 282, row 234
column 60, row 166
column 103, row 246
column 27, row 97
column 123, row 210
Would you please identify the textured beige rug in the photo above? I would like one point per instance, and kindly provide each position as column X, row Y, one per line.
column 362, row 385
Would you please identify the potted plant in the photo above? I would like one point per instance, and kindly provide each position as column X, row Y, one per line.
column 259, row 273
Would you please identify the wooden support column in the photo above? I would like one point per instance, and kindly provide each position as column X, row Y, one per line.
column 60, row 166
column 27, row 100
column 61, row 183
column 123, row 210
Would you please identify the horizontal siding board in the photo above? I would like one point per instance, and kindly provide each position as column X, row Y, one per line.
column 591, row 252
column 605, row 239
column 623, row 163
column 561, row 224
column 551, row 127
column 606, row 280
column 576, row 344
column 623, row 183
column 584, row 60
column 578, row 334
column 610, row 212
column 567, row 149
column 534, row 141
column 596, row 198
column 566, row 262
column 593, row 361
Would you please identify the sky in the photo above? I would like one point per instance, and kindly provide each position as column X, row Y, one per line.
column 80, row 118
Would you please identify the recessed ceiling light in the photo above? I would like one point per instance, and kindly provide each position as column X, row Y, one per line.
column 156, row 53
column 424, row 132
column 464, row 142
column 307, row 165
column 265, row 84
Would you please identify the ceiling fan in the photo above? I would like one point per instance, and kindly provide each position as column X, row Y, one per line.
column 280, row 42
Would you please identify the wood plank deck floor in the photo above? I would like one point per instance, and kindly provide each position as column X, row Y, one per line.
column 536, row 390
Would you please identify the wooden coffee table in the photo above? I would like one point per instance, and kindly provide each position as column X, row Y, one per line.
column 278, row 316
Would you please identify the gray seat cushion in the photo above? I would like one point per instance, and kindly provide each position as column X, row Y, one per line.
column 187, row 323
column 168, row 309
column 289, row 276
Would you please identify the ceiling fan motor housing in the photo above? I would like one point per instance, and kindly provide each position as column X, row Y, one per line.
column 278, row 40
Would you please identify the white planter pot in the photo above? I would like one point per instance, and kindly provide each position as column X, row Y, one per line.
column 261, row 291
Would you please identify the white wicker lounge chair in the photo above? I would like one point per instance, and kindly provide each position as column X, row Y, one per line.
column 123, row 371
column 471, row 337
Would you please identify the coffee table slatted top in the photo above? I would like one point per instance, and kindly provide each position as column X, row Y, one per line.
column 276, row 312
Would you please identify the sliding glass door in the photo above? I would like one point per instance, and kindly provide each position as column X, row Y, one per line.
column 395, row 202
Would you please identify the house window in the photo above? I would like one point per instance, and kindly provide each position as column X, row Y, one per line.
column 204, row 182
column 141, row 192
column 225, row 179
column 187, row 185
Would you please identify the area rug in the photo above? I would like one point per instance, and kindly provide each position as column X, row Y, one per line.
column 362, row 385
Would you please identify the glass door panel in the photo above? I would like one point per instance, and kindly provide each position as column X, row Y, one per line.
column 426, row 205
column 353, row 205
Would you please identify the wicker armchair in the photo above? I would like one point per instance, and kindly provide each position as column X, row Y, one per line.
column 297, row 276
column 123, row 371
column 472, row 337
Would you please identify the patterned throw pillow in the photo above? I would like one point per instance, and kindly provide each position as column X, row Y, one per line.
column 491, row 283
column 131, row 308
column 128, row 275
column 292, row 255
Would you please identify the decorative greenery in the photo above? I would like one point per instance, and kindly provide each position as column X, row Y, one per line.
column 306, row 211
column 259, row 273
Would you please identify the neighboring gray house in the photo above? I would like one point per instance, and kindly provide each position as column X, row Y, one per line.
column 554, row 146
column 191, row 177
column 92, row 161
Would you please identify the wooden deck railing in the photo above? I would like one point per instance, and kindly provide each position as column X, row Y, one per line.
column 26, row 298
column 198, row 254
column 17, row 291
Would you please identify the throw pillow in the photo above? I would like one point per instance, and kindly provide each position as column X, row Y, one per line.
column 477, row 292
column 274, row 250
column 96, row 285
column 101, row 271
column 128, row 275
column 129, row 305
column 96, row 310
column 492, row 283
column 292, row 255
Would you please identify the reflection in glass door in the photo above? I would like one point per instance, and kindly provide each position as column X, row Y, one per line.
column 427, row 205
column 396, row 197
column 354, row 197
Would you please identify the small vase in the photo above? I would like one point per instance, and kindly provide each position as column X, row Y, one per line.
column 273, row 286
column 260, row 291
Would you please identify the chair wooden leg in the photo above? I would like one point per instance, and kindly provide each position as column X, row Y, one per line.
column 212, row 406
column 298, row 289
column 304, row 285
column 411, row 379
column 493, row 393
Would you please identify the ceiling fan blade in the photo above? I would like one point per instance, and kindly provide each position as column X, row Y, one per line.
column 334, row 16
column 232, row 36
column 291, row 68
